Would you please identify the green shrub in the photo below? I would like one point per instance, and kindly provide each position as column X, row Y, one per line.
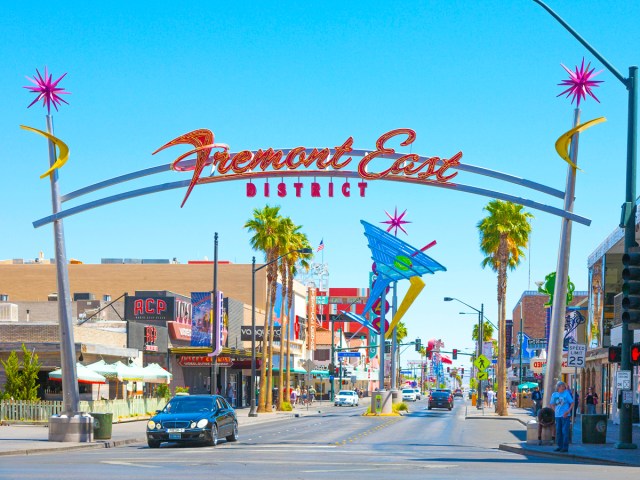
column 400, row 407
column 286, row 407
column 182, row 389
column 162, row 391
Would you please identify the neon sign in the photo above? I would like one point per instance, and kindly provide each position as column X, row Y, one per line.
column 247, row 164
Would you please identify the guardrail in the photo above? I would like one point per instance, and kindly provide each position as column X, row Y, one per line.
column 40, row 411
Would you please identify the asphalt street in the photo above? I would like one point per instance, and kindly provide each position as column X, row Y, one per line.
column 338, row 444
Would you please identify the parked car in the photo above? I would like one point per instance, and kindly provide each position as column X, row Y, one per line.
column 441, row 399
column 457, row 393
column 346, row 397
column 193, row 418
column 418, row 394
column 409, row 394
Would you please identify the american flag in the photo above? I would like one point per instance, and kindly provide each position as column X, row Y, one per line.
column 321, row 246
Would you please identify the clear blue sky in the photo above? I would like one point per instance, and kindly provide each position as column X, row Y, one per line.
column 480, row 77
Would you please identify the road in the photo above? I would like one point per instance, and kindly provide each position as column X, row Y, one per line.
column 339, row 444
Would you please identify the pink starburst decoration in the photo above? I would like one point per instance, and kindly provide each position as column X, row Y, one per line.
column 396, row 222
column 580, row 83
column 47, row 90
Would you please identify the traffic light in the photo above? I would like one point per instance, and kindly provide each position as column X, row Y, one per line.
column 631, row 288
column 448, row 369
column 615, row 354
column 462, row 372
column 418, row 344
column 387, row 346
column 635, row 354
column 454, row 354
column 332, row 367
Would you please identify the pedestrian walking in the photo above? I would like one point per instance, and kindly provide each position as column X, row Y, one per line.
column 591, row 400
column 294, row 397
column 312, row 395
column 297, row 395
column 305, row 396
column 562, row 404
column 536, row 396
column 230, row 394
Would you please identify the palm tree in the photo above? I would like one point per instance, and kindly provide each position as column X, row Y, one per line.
column 401, row 334
column 264, row 225
column 287, row 228
column 504, row 234
column 298, row 241
column 487, row 332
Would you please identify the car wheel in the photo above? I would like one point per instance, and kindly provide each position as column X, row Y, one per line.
column 449, row 408
column 213, row 440
column 153, row 443
column 429, row 408
column 234, row 436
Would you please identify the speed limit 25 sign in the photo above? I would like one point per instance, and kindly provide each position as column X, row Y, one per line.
column 576, row 355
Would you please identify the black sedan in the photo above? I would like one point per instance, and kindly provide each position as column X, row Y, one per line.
column 193, row 418
column 441, row 399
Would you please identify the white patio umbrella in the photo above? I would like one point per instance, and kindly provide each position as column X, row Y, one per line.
column 85, row 375
column 154, row 373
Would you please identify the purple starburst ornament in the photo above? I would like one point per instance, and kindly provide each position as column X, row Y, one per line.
column 580, row 83
column 47, row 90
column 396, row 222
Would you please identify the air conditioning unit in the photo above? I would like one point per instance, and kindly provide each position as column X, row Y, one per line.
column 8, row 312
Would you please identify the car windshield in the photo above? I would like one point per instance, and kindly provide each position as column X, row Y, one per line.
column 190, row 404
column 346, row 392
column 408, row 390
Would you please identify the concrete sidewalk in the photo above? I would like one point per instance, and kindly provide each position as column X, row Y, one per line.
column 521, row 415
column 605, row 454
column 33, row 439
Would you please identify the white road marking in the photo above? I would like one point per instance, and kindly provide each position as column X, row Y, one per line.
column 127, row 464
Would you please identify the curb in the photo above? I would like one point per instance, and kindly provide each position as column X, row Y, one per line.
column 568, row 456
column 99, row 444
column 522, row 422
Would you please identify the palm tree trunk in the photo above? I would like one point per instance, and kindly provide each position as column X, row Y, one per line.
column 501, row 408
column 269, row 393
column 262, row 405
column 284, row 323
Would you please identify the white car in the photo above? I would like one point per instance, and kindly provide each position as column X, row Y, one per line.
column 346, row 397
column 418, row 394
column 409, row 394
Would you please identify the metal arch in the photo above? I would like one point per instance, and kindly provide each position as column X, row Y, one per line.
column 281, row 174
column 355, row 153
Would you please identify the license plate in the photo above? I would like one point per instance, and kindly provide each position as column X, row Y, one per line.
column 175, row 436
column 175, row 430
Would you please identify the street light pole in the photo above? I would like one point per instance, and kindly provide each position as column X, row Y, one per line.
column 252, row 411
column 628, row 209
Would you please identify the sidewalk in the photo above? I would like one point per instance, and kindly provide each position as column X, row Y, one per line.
column 32, row 439
column 591, row 453
column 521, row 415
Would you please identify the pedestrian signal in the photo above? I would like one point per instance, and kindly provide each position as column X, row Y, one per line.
column 615, row 354
column 635, row 354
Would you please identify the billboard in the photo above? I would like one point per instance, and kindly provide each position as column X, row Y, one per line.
column 157, row 309
column 201, row 324
column 148, row 338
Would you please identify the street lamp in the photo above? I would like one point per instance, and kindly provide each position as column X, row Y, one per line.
column 627, row 220
column 480, row 338
column 253, row 410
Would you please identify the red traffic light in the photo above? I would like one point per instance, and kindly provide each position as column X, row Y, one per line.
column 615, row 354
column 455, row 354
column 635, row 354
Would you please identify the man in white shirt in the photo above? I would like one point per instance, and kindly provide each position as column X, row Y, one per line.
column 562, row 404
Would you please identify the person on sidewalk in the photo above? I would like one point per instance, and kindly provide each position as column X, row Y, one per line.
column 591, row 400
column 312, row 395
column 536, row 396
column 562, row 404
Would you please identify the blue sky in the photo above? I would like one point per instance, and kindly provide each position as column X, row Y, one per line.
column 480, row 77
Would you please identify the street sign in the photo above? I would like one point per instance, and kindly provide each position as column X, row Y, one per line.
column 576, row 355
column 349, row 354
column 322, row 300
column 483, row 376
column 494, row 361
column 406, row 372
column 354, row 379
column 537, row 343
column 481, row 363
column 623, row 380
column 308, row 365
column 627, row 397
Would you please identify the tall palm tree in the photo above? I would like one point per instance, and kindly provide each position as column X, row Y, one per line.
column 299, row 241
column 401, row 334
column 487, row 332
column 264, row 225
column 504, row 234
column 287, row 228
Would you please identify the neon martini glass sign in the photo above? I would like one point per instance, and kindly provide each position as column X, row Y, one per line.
column 246, row 164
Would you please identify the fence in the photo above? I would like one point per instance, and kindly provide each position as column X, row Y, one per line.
column 39, row 412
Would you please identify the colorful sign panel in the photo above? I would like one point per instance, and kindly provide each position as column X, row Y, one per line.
column 149, row 338
column 311, row 317
column 201, row 321
column 246, row 333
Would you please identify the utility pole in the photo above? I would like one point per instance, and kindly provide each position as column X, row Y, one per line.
column 214, row 313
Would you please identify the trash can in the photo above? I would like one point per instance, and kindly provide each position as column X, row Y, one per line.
column 102, row 425
column 594, row 428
